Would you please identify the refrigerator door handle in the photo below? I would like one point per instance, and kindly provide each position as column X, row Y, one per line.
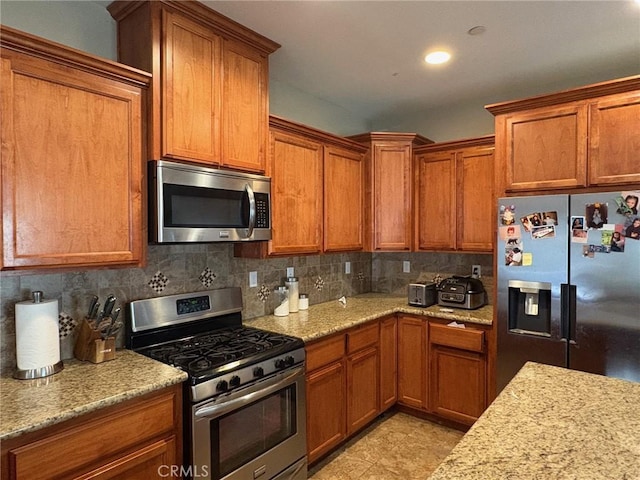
column 568, row 312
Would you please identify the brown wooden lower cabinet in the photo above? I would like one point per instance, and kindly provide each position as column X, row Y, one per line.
column 388, row 362
column 326, row 393
column 419, row 363
column 412, row 362
column 458, row 373
column 363, row 384
column 131, row 440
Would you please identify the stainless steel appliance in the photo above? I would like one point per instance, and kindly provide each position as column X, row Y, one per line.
column 189, row 203
column 461, row 292
column 568, row 284
column 245, row 414
column 422, row 294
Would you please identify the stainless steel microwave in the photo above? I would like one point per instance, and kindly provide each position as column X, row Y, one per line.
column 189, row 203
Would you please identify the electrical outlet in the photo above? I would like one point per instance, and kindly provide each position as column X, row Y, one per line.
column 406, row 266
column 253, row 279
column 476, row 271
column 347, row 267
column 290, row 272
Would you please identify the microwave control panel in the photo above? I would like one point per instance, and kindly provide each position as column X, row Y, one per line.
column 262, row 210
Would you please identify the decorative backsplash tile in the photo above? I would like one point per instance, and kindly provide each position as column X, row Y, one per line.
column 186, row 268
column 263, row 293
column 66, row 324
column 207, row 277
column 158, row 282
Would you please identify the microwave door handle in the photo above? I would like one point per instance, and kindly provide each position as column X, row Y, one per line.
column 252, row 209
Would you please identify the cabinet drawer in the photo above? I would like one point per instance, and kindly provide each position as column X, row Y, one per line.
column 463, row 338
column 75, row 449
column 325, row 352
column 361, row 337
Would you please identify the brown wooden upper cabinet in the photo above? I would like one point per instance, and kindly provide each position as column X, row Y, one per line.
column 454, row 195
column 576, row 139
column 72, row 157
column 210, row 82
column 389, row 189
column 343, row 199
column 317, row 193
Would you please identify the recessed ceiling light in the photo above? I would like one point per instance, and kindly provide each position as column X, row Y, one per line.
column 478, row 30
column 436, row 58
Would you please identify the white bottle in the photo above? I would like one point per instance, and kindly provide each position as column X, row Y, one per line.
column 282, row 301
column 292, row 285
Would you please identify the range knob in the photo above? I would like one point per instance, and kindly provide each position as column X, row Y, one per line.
column 285, row 362
column 258, row 372
column 222, row 386
column 235, row 381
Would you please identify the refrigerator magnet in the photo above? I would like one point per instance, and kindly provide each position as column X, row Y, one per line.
column 596, row 215
column 577, row 223
column 507, row 215
column 579, row 236
column 628, row 203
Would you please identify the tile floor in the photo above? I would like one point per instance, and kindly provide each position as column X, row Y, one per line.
column 396, row 447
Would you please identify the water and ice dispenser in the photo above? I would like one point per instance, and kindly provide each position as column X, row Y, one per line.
column 530, row 307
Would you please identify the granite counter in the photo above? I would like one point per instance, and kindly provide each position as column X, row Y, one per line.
column 550, row 422
column 330, row 317
column 28, row 405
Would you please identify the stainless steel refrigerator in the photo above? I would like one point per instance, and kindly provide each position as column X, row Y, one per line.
column 568, row 283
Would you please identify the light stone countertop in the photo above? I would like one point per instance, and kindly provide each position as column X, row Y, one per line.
column 330, row 317
column 553, row 423
column 81, row 387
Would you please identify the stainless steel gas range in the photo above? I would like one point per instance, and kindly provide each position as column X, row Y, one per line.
column 245, row 416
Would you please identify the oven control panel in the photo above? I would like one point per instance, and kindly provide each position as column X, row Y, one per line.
column 246, row 375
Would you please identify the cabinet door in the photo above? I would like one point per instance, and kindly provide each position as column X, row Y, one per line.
column 614, row 140
column 245, row 108
column 388, row 362
column 392, row 196
column 71, row 166
column 412, row 362
column 363, row 389
column 474, row 193
column 458, row 384
column 138, row 435
column 547, row 148
column 326, row 418
column 343, row 200
column 436, row 199
column 191, row 73
column 296, row 187
column 457, row 372
column 148, row 462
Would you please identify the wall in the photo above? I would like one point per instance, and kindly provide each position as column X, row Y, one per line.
column 84, row 25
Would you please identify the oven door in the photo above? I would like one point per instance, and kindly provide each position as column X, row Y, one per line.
column 258, row 432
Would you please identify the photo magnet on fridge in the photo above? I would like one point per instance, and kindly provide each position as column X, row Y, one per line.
column 596, row 215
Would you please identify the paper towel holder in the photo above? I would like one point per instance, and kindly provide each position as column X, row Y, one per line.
column 41, row 372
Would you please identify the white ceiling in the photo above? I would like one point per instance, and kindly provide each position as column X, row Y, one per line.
column 367, row 56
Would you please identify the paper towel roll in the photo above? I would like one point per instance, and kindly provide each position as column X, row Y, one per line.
column 37, row 342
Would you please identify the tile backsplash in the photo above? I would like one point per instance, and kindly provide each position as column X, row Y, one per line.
column 185, row 268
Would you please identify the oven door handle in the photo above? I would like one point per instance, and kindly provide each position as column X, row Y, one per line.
column 252, row 393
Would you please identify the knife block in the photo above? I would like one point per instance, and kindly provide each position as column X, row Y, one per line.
column 90, row 346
